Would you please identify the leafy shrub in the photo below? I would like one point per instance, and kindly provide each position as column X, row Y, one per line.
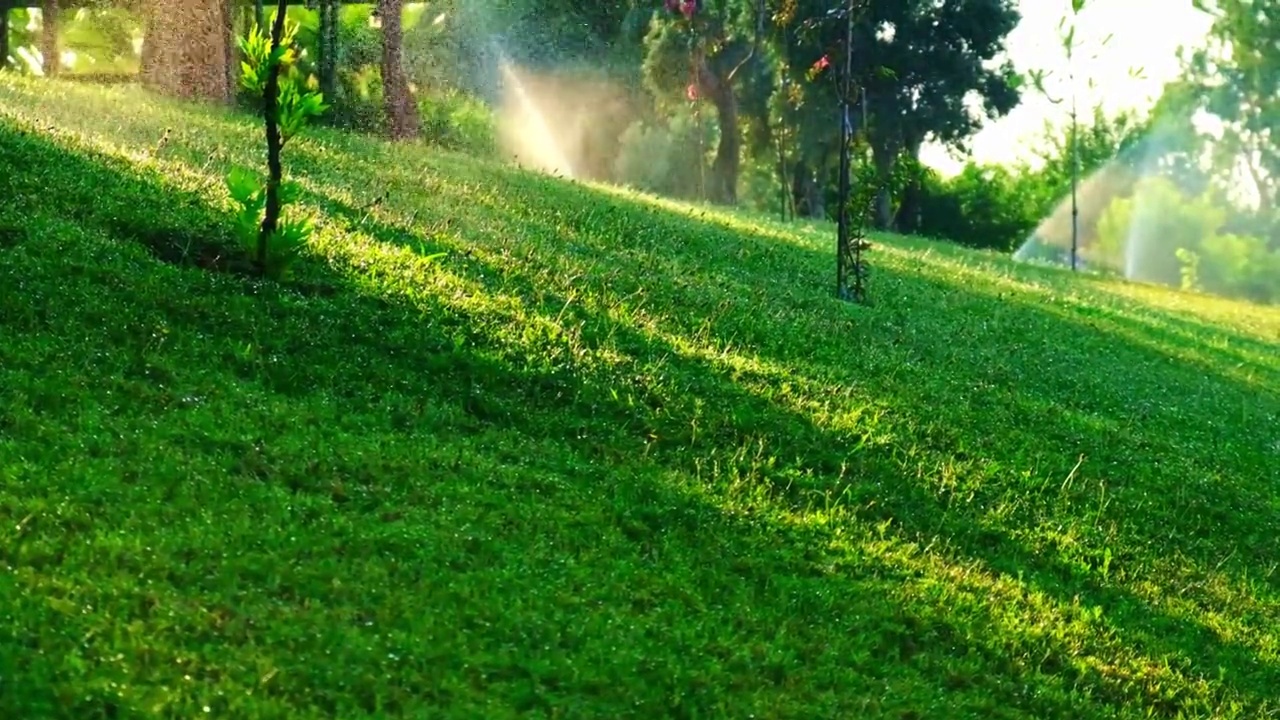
column 668, row 160
column 286, row 242
column 987, row 207
column 1239, row 266
column 457, row 121
column 760, row 185
column 358, row 106
column 1161, row 234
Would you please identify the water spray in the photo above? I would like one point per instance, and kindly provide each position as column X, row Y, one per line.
column 539, row 140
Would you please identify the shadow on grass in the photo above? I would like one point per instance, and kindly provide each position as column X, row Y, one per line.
column 670, row 420
column 1036, row 367
column 1208, row 529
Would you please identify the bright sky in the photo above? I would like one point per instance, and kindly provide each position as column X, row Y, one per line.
column 1145, row 34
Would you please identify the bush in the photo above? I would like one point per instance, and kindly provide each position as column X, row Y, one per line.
column 457, row 121
column 760, row 185
column 1239, row 266
column 668, row 160
column 1161, row 234
column 982, row 207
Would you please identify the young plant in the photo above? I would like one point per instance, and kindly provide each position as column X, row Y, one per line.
column 854, row 208
column 273, row 240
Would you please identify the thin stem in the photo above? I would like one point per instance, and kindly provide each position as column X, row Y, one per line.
column 1075, row 179
column 271, row 111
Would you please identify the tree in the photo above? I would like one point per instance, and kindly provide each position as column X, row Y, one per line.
column 922, row 62
column 187, row 48
column 698, row 50
column 918, row 61
column 402, row 115
column 1236, row 78
column 268, row 70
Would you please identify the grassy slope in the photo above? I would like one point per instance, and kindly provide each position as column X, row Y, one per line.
column 604, row 459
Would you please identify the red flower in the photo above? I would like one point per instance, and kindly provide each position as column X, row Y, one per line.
column 691, row 92
column 823, row 63
column 688, row 7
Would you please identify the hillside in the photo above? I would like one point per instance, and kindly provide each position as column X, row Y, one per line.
column 606, row 457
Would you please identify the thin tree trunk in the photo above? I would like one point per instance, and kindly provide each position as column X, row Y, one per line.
column 49, row 38
column 883, row 157
column 329, row 48
column 275, row 170
column 402, row 116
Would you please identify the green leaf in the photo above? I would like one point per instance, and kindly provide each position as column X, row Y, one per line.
column 243, row 184
column 290, row 191
column 1077, row 6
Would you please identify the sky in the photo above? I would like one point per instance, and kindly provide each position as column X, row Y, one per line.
column 1145, row 34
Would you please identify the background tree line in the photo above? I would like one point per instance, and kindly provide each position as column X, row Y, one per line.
column 735, row 102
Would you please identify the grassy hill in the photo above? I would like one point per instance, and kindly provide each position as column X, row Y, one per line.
column 608, row 457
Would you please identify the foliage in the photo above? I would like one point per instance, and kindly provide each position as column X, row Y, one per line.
column 283, row 245
column 455, row 121
column 1235, row 78
column 1162, row 234
column 709, row 52
column 101, row 38
column 268, row 69
column 988, row 207
column 917, row 61
column 1239, row 266
column 1099, row 137
column 608, row 459
column 1144, row 231
column 998, row 207
column 668, row 159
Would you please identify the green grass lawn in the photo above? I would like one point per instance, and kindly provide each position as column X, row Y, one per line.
column 608, row 457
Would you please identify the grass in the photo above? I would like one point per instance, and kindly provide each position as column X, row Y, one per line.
column 607, row 457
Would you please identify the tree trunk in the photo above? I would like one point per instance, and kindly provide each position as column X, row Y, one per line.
column 402, row 116
column 4, row 36
column 883, row 156
column 187, row 48
column 725, row 168
column 908, row 218
column 329, row 48
column 275, row 143
column 50, row 54
column 806, row 192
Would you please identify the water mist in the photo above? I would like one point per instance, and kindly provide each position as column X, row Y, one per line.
column 526, row 130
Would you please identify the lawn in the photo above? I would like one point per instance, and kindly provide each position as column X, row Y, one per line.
column 606, row 457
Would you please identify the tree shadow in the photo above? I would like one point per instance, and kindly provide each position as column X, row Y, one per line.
column 912, row 363
column 1201, row 527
